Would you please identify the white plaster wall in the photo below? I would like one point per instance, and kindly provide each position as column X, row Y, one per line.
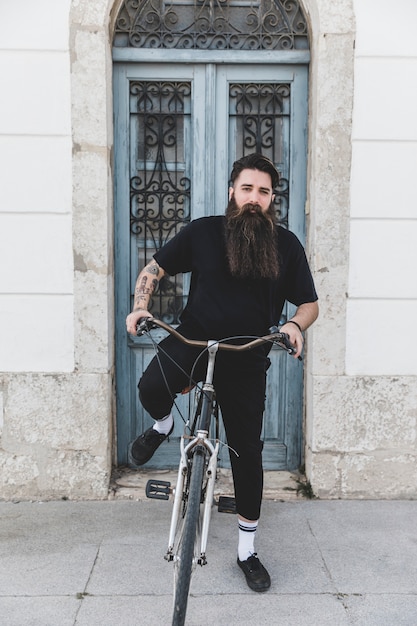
column 56, row 347
column 36, row 284
column 383, row 231
column 361, row 426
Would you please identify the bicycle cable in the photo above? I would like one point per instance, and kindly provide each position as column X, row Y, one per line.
column 192, row 382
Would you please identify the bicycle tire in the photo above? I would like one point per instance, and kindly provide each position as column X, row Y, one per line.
column 190, row 529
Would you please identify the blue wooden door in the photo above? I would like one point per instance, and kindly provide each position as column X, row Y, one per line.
column 179, row 127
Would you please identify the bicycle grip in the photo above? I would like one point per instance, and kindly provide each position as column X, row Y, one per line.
column 285, row 341
column 143, row 325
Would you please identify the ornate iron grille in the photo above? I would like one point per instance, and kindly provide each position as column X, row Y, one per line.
column 212, row 24
column 259, row 118
column 160, row 190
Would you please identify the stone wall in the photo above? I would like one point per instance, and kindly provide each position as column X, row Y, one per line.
column 362, row 409
column 56, row 238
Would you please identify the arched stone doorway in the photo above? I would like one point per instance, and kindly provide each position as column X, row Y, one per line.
column 330, row 104
column 186, row 106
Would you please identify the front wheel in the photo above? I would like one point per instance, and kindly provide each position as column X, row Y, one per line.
column 188, row 540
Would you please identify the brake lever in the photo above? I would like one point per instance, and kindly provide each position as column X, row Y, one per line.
column 143, row 326
column 285, row 344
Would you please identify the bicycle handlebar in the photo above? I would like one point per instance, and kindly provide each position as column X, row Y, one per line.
column 146, row 324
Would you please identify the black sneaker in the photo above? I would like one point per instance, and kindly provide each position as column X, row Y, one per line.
column 143, row 448
column 256, row 575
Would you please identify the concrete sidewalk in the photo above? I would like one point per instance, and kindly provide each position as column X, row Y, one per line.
column 89, row 563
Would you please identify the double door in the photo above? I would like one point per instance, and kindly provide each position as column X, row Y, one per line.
column 178, row 129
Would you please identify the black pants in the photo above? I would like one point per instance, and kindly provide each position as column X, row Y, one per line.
column 239, row 380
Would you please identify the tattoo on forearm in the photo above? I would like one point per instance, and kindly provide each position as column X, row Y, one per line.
column 143, row 291
column 142, row 286
column 152, row 268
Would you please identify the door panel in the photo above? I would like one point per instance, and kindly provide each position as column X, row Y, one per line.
column 179, row 129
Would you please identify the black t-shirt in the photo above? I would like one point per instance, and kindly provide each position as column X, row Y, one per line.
column 223, row 305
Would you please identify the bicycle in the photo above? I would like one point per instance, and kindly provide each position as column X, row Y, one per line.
column 194, row 491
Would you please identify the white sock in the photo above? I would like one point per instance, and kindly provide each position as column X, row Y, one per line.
column 247, row 532
column 164, row 425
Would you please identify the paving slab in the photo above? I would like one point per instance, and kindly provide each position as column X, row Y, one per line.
column 39, row 610
column 267, row 609
column 382, row 609
column 87, row 563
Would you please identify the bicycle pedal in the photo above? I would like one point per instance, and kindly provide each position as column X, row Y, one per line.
column 158, row 489
column 226, row 504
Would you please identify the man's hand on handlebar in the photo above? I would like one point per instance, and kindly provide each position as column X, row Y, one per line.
column 133, row 319
column 295, row 336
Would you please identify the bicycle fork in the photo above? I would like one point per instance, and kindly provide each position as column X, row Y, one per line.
column 210, row 475
column 186, row 447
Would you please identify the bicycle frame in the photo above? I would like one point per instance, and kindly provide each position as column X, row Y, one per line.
column 197, row 470
column 200, row 439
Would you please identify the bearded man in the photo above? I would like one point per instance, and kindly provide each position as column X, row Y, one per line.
column 243, row 268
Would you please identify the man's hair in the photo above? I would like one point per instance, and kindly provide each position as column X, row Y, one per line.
column 255, row 161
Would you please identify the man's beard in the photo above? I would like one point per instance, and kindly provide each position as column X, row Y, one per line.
column 251, row 241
